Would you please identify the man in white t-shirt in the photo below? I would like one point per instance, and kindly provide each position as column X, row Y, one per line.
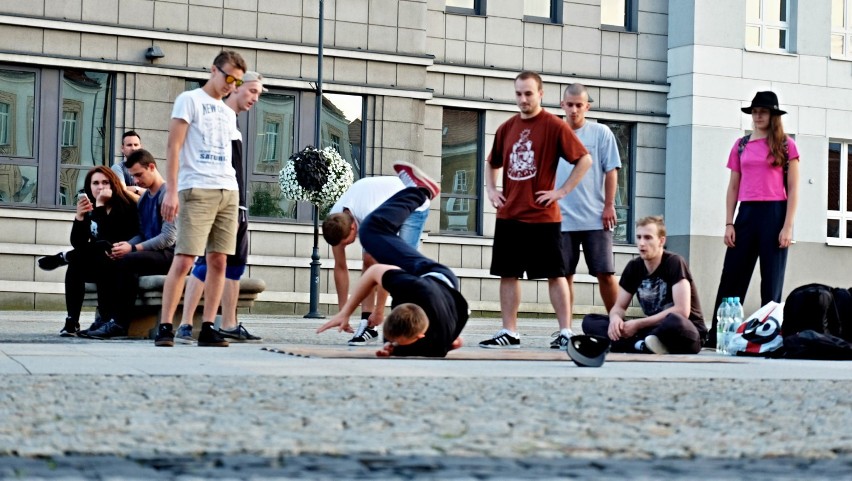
column 588, row 212
column 206, row 199
column 340, row 229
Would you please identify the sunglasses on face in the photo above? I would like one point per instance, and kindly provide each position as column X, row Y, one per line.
column 230, row 78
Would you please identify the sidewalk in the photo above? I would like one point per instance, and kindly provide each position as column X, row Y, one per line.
column 129, row 400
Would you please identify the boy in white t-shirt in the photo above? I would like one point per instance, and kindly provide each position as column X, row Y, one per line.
column 206, row 199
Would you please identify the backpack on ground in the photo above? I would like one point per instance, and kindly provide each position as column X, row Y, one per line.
column 819, row 308
column 813, row 345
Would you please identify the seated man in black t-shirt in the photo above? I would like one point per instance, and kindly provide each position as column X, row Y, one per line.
column 666, row 292
column 428, row 312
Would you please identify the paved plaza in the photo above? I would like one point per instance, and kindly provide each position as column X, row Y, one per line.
column 83, row 409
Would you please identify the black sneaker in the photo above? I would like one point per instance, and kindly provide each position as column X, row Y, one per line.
column 364, row 334
column 99, row 323
column 240, row 334
column 49, row 263
column 209, row 337
column 165, row 336
column 561, row 341
column 109, row 330
column 502, row 340
column 72, row 327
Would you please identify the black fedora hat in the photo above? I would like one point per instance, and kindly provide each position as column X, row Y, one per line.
column 767, row 100
column 588, row 351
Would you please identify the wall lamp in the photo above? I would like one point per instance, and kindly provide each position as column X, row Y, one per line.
column 154, row 52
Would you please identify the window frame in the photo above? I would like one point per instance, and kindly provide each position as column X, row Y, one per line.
column 842, row 216
column 763, row 25
column 555, row 14
column 479, row 9
column 473, row 202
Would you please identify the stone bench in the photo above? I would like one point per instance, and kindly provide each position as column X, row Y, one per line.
column 149, row 303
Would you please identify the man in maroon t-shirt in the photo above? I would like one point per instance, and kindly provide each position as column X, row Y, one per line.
column 527, row 235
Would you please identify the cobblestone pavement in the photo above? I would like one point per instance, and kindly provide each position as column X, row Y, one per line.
column 409, row 419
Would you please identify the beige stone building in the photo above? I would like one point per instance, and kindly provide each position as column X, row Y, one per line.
column 417, row 80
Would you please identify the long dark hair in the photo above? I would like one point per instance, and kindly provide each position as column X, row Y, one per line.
column 118, row 192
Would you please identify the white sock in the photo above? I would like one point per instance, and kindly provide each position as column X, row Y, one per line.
column 567, row 332
column 511, row 333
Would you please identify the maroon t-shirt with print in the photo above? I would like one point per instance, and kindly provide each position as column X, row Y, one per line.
column 528, row 150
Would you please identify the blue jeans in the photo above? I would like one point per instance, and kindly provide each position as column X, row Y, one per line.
column 378, row 236
column 412, row 228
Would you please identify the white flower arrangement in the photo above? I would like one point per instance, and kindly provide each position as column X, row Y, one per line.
column 316, row 176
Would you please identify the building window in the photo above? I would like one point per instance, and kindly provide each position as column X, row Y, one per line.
column 624, row 192
column 839, row 216
column 618, row 14
column 74, row 133
column 85, row 129
column 549, row 11
column 342, row 127
column 461, row 145
column 469, row 7
column 841, row 28
column 18, row 167
column 272, row 124
column 767, row 24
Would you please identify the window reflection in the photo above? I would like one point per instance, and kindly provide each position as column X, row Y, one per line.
column 460, row 147
column 17, row 99
column 537, row 8
column 274, row 118
column 85, row 130
column 341, row 127
column 624, row 193
column 614, row 12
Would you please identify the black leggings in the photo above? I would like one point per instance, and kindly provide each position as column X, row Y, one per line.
column 86, row 264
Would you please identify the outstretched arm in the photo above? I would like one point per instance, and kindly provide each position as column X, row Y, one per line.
column 371, row 278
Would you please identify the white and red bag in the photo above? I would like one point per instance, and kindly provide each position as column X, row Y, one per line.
column 760, row 334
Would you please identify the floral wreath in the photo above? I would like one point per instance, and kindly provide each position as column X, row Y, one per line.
column 316, row 176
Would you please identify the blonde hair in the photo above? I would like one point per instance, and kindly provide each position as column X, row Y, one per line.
column 405, row 321
column 656, row 220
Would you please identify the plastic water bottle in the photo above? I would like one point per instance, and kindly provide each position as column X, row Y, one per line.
column 736, row 318
column 722, row 326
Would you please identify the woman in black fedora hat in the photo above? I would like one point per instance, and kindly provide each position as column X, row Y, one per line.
column 763, row 190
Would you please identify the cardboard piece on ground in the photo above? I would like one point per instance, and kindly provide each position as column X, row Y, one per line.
column 479, row 354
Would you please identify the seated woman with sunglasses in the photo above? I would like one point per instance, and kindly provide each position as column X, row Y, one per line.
column 105, row 215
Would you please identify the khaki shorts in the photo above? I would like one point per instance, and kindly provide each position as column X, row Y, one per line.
column 207, row 219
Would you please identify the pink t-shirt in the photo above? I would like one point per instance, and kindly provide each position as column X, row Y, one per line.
column 759, row 180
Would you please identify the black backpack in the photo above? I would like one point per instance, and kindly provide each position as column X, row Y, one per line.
column 813, row 345
column 820, row 308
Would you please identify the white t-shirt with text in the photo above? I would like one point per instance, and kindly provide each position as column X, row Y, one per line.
column 205, row 159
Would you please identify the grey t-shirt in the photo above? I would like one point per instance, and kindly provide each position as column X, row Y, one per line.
column 583, row 207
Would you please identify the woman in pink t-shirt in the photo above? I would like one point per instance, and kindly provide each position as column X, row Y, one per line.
column 764, row 223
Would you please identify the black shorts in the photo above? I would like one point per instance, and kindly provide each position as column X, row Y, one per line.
column 597, row 250
column 521, row 247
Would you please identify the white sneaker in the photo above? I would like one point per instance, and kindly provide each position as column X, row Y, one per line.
column 655, row 345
